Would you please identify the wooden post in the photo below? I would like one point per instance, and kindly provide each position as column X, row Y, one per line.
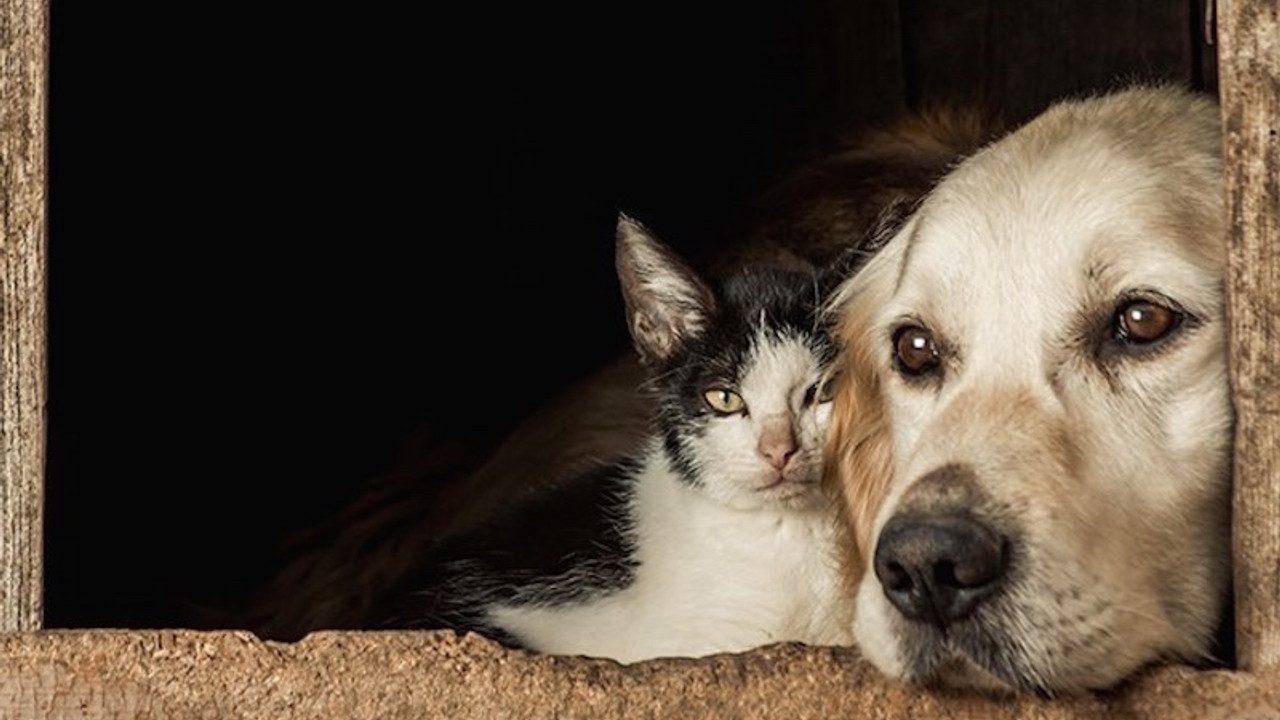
column 23, row 81
column 1249, row 87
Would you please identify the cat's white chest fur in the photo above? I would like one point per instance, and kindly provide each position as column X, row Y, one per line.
column 711, row 579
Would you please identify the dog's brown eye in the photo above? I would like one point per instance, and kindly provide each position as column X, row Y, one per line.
column 1141, row 322
column 914, row 350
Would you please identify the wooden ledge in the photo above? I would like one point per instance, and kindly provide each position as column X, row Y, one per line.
column 175, row 674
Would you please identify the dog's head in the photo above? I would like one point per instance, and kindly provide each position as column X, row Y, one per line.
column 1033, row 435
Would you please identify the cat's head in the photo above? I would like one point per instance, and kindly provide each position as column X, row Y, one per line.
column 736, row 369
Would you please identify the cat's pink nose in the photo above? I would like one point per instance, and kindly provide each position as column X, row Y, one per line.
column 777, row 442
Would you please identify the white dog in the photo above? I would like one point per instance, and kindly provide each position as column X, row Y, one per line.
column 1033, row 436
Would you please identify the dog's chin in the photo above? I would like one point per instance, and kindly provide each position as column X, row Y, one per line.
column 974, row 657
column 958, row 672
column 941, row 664
column 930, row 657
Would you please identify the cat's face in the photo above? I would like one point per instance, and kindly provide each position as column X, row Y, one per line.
column 735, row 371
column 745, row 422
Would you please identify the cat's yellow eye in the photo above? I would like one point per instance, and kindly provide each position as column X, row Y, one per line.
column 724, row 401
column 824, row 390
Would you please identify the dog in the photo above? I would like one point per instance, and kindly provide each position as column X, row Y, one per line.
column 1032, row 436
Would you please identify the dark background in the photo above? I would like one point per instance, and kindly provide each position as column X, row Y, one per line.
column 283, row 239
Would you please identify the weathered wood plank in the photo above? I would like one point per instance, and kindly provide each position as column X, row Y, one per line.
column 172, row 675
column 1249, row 88
column 23, row 81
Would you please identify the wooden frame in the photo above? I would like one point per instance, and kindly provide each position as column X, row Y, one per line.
column 1249, row 72
column 181, row 673
column 23, row 81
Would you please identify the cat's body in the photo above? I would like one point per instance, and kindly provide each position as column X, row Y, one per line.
column 716, row 536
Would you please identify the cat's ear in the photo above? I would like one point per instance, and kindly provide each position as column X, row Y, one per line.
column 666, row 301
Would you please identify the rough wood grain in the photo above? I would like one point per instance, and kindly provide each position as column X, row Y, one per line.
column 23, row 77
column 1249, row 86
column 388, row 675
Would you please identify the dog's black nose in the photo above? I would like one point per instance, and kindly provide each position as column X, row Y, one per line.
column 937, row 568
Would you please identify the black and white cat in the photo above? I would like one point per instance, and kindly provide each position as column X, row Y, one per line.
column 717, row 536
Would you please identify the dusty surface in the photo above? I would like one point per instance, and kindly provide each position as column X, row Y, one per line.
column 384, row 675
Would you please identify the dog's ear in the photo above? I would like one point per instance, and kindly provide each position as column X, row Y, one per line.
column 889, row 222
column 858, row 462
column 666, row 301
column 859, row 452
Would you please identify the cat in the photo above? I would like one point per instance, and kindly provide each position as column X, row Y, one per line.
column 717, row 535
column 334, row 574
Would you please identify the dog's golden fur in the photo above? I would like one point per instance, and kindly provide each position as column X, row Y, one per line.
column 1102, row 462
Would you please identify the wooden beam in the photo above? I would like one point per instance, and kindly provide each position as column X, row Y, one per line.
column 1249, row 88
column 23, row 81
column 402, row 674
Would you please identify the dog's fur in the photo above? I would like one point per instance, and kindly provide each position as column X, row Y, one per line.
column 1094, row 467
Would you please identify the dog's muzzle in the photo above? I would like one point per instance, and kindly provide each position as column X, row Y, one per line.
column 939, row 560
